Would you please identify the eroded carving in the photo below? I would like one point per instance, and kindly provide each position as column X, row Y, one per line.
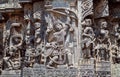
column 103, row 42
column 88, row 39
column 12, row 56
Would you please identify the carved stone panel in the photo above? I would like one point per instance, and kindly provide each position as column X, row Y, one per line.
column 59, row 38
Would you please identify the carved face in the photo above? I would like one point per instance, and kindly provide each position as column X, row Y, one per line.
column 37, row 15
column 103, row 24
column 59, row 26
column 37, row 25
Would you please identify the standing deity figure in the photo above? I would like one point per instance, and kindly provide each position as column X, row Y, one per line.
column 29, row 36
column 38, row 34
column 39, row 42
column 88, row 39
column 30, row 52
column 103, row 41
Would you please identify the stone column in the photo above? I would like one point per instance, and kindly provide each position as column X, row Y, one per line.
column 78, row 51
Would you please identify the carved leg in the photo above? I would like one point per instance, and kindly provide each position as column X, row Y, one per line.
column 70, row 59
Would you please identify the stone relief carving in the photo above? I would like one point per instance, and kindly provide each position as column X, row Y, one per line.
column 103, row 41
column 115, row 47
column 39, row 43
column 58, row 44
column 87, row 8
column 12, row 56
column 29, row 38
column 43, row 40
column 88, row 39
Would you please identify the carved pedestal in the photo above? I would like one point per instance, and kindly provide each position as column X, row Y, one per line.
column 42, row 71
column 12, row 73
column 87, row 68
column 103, row 69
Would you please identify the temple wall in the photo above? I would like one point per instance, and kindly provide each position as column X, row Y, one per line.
column 59, row 38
